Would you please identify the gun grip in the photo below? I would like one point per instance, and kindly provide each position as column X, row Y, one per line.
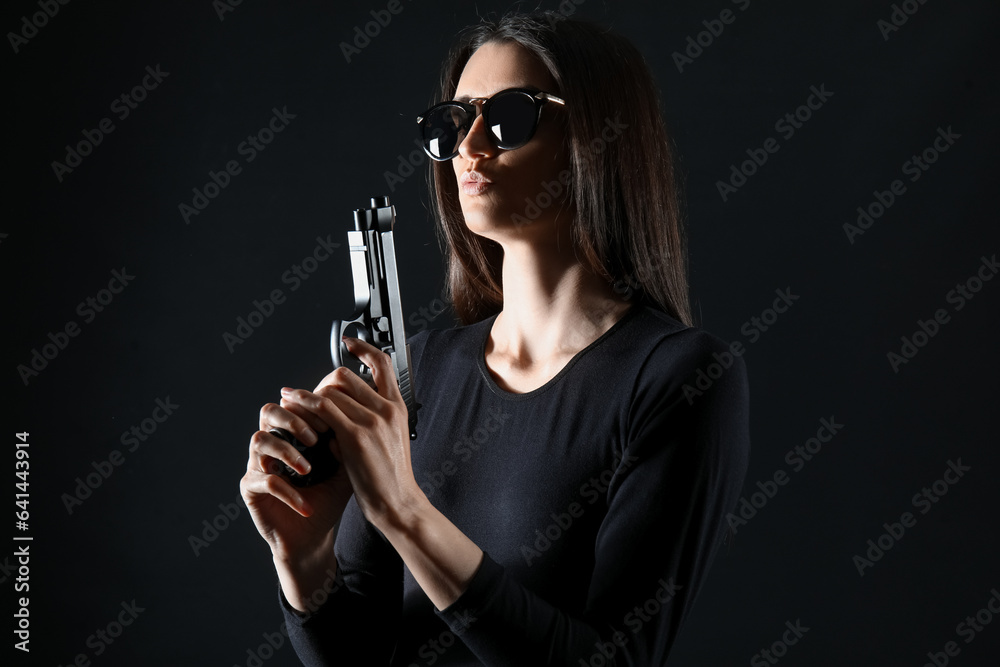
column 324, row 463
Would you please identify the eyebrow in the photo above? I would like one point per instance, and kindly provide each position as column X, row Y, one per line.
column 466, row 98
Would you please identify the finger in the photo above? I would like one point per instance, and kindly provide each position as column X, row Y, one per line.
column 321, row 427
column 381, row 365
column 259, row 483
column 268, row 451
column 276, row 416
column 333, row 407
column 314, row 421
column 347, row 390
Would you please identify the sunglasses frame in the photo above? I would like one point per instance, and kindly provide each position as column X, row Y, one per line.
column 480, row 106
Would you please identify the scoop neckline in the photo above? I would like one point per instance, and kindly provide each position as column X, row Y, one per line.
column 516, row 396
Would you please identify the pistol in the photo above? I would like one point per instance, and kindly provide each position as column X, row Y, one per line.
column 378, row 319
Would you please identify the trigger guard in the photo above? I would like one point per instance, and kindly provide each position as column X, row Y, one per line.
column 338, row 350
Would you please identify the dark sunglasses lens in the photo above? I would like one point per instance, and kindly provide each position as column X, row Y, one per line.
column 511, row 119
column 443, row 130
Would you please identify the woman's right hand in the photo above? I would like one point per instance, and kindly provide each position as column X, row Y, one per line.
column 296, row 522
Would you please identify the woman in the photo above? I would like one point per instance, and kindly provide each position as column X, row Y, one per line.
column 567, row 492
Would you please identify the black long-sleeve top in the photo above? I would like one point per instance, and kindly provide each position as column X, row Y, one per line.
column 599, row 500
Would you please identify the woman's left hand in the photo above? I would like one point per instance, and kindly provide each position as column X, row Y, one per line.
column 372, row 432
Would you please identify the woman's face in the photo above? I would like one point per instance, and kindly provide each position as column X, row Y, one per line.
column 516, row 190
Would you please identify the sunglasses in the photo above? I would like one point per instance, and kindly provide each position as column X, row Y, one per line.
column 511, row 117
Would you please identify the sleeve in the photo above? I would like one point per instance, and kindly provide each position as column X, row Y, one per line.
column 357, row 620
column 682, row 468
column 353, row 622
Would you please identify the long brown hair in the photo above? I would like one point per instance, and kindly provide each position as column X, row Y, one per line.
column 628, row 226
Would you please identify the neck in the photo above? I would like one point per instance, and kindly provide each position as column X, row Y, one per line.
column 553, row 306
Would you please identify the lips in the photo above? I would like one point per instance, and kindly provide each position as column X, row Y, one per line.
column 474, row 183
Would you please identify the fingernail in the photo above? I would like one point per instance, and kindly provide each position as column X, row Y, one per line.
column 310, row 438
column 304, row 464
column 304, row 506
column 286, row 391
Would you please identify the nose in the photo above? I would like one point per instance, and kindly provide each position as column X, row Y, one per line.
column 477, row 143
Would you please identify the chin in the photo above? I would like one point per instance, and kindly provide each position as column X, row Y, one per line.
column 482, row 212
column 495, row 219
column 480, row 222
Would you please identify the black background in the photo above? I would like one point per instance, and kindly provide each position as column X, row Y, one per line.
column 162, row 336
